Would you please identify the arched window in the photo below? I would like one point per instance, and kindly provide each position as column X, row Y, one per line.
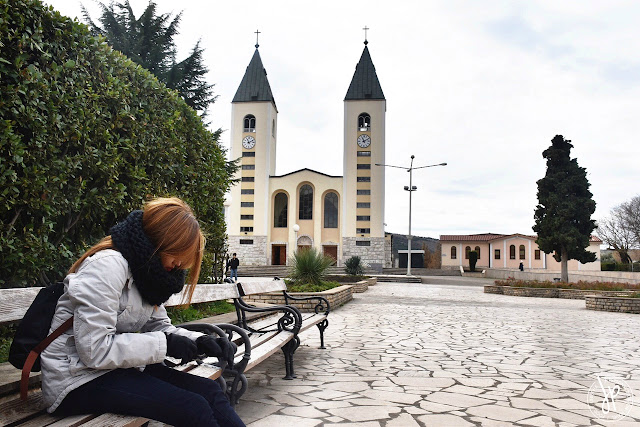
column 477, row 249
column 249, row 123
column 306, row 202
column 364, row 122
column 466, row 252
column 454, row 252
column 522, row 253
column 331, row 210
column 280, row 210
column 512, row 252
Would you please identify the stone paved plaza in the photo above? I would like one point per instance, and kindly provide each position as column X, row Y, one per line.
column 446, row 354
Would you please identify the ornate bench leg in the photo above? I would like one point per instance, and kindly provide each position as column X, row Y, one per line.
column 289, row 349
column 234, row 392
column 322, row 326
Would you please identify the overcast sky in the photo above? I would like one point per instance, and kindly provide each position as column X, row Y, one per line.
column 483, row 86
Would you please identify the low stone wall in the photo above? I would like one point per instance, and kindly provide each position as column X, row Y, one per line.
column 336, row 297
column 550, row 292
column 360, row 286
column 622, row 305
column 574, row 276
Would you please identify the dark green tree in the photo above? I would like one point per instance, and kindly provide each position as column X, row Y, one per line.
column 148, row 41
column 473, row 259
column 565, row 205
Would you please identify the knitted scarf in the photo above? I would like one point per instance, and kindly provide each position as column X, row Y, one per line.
column 155, row 283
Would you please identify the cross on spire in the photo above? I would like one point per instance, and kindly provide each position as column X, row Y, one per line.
column 257, row 34
column 365, row 35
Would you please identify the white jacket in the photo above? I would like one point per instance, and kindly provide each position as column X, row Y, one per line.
column 109, row 314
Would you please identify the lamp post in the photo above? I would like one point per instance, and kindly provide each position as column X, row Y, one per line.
column 296, row 228
column 411, row 188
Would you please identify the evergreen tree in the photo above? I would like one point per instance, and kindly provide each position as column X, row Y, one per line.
column 565, row 205
column 148, row 41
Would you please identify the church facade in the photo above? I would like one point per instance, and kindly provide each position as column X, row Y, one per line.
column 270, row 216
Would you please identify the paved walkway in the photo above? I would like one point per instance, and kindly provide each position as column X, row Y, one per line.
column 446, row 354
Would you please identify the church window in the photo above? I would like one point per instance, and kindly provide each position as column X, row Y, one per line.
column 248, row 154
column 364, row 153
column 280, row 210
column 363, row 217
column 497, row 253
column 537, row 253
column 246, row 241
column 248, row 167
column 364, row 179
column 363, row 230
column 246, row 191
column 454, row 252
column 477, row 249
column 331, row 210
column 246, row 204
column 512, row 252
column 522, row 252
column 364, row 166
column 363, row 192
column 248, row 179
column 364, row 122
column 246, row 216
column 249, row 123
column 466, row 252
column 306, row 202
column 246, row 229
column 363, row 243
column 363, row 205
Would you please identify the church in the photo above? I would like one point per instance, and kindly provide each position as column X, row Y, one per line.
column 271, row 216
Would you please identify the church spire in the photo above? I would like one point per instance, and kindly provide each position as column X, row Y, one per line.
column 365, row 83
column 254, row 86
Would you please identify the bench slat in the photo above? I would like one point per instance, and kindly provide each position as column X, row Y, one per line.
column 15, row 303
column 207, row 293
column 13, row 409
column 312, row 321
column 268, row 348
column 251, row 287
column 53, row 421
column 115, row 420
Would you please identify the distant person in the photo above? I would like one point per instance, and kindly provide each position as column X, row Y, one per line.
column 521, row 267
column 232, row 265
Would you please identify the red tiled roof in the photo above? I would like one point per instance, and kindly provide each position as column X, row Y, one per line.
column 486, row 237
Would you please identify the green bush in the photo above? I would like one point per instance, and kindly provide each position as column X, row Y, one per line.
column 86, row 136
column 473, row 259
column 308, row 266
column 353, row 266
column 582, row 285
column 308, row 287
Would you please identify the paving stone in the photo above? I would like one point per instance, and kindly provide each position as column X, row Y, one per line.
column 444, row 420
column 500, row 413
column 326, row 404
column 392, row 396
column 472, row 391
column 334, row 419
column 253, row 411
column 365, row 413
column 457, row 399
column 437, row 383
column 486, row 422
column 304, row 412
column 540, row 421
column 438, row 407
column 349, row 387
column 402, row 420
column 284, row 420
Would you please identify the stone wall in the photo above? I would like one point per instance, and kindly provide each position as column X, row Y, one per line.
column 372, row 254
column 388, row 254
column 253, row 254
column 550, row 292
column 336, row 297
column 574, row 276
column 623, row 305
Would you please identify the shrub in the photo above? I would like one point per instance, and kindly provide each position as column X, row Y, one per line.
column 86, row 136
column 353, row 266
column 307, row 287
column 309, row 266
column 582, row 285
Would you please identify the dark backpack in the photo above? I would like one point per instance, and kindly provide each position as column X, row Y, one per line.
column 32, row 335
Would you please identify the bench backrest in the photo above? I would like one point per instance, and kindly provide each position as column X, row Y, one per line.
column 259, row 285
column 15, row 302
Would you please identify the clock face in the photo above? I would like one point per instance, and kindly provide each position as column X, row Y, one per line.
column 364, row 141
column 248, row 142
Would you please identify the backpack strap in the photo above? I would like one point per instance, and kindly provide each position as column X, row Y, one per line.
column 33, row 355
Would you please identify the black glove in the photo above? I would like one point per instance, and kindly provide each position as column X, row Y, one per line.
column 181, row 347
column 221, row 348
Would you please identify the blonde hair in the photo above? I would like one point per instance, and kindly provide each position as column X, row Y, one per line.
column 174, row 230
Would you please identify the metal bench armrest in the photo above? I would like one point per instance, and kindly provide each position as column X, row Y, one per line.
column 323, row 303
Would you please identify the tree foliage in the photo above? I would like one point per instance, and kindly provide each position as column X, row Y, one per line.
column 86, row 136
column 621, row 229
column 565, row 205
column 353, row 266
column 148, row 41
column 473, row 259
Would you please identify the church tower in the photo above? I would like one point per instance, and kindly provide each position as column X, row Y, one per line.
column 254, row 118
column 364, row 145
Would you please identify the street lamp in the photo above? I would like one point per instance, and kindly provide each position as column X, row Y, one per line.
column 411, row 188
column 296, row 228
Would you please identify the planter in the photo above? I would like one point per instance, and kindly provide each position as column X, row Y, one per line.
column 551, row 292
column 616, row 304
column 336, row 297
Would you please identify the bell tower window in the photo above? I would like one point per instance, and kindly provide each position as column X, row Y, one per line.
column 249, row 123
column 364, row 122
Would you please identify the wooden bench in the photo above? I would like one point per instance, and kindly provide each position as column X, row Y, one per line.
column 256, row 340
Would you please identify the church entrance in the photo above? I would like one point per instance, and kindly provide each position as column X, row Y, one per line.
column 278, row 255
column 331, row 251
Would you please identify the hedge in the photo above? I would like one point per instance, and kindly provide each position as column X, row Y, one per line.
column 86, row 136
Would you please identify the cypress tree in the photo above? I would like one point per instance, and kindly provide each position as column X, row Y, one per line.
column 565, row 205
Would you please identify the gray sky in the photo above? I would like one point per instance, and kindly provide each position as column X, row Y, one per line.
column 484, row 86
